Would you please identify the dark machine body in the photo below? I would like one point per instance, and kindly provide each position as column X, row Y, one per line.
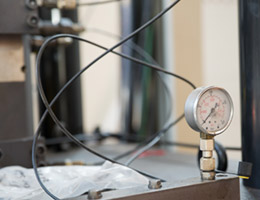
column 25, row 31
column 249, row 21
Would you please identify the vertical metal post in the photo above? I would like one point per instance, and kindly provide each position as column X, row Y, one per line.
column 32, row 102
column 249, row 19
column 73, row 94
column 126, row 72
column 59, row 64
column 143, row 101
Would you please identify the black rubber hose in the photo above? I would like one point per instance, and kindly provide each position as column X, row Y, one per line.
column 221, row 156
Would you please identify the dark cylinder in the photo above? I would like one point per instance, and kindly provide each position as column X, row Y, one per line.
column 249, row 28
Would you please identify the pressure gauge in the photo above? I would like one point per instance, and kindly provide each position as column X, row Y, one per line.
column 209, row 110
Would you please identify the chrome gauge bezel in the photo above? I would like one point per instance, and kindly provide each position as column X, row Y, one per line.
column 191, row 107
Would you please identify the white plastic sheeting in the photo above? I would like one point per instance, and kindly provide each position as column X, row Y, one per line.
column 65, row 181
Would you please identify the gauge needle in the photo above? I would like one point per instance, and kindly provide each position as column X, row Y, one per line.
column 212, row 111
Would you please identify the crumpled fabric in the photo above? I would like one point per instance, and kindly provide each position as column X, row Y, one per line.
column 66, row 181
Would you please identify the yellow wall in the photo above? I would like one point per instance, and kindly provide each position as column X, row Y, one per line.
column 101, row 83
column 188, row 58
column 206, row 52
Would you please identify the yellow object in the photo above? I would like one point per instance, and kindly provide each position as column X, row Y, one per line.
column 244, row 177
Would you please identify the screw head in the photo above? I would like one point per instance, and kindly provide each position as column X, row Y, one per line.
column 31, row 4
column 210, row 175
column 40, row 150
column 155, row 184
column 94, row 194
column 32, row 21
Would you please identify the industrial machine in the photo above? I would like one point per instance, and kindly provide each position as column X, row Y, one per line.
column 208, row 110
column 21, row 35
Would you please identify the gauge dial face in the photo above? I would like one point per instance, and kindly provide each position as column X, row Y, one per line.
column 214, row 111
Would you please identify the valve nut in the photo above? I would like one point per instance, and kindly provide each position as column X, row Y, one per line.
column 206, row 144
column 207, row 164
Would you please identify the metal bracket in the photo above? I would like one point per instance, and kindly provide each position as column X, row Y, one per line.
column 18, row 17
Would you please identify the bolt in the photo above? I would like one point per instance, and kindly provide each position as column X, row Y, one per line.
column 32, row 21
column 207, row 164
column 210, row 175
column 40, row 150
column 154, row 184
column 31, row 4
column 94, row 194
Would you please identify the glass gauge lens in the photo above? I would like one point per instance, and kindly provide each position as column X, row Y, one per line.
column 214, row 110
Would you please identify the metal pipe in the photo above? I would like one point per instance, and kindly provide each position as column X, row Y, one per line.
column 249, row 28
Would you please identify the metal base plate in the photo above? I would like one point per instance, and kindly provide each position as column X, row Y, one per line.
column 224, row 187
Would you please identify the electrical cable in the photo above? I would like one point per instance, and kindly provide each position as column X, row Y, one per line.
column 140, row 51
column 145, row 145
column 152, row 141
column 48, row 106
column 186, row 145
column 94, row 3
column 123, row 55
column 134, row 60
column 42, row 94
column 84, row 137
column 45, row 101
column 196, row 146
column 149, row 58
column 221, row 155
column 233, row 148
column 59, row 93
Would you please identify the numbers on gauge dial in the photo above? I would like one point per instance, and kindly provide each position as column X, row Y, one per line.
column 213, row 110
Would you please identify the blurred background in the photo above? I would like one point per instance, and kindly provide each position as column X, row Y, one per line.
column 201, row 44
column 119, row 107
column 115, row 98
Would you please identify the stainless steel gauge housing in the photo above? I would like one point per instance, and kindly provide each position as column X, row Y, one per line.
column 209, row 110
